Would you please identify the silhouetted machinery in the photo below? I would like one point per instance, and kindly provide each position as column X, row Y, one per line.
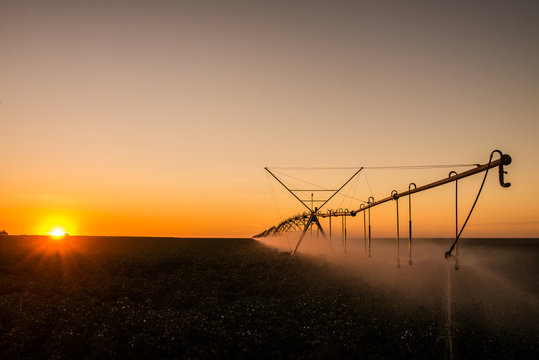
column 310, row 218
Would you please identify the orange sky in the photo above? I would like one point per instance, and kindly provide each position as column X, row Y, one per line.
column 158, row 117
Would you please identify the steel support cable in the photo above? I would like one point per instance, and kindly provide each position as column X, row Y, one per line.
column 320, row 188
column 289, row 185
column 351, row 197
column 428, row 166
column 342, row 186
column 347, row 192
column 353, row 189
column 315, row 168
column 301, row 180
column 448, row 253
column 418, row 167
column 368, row 183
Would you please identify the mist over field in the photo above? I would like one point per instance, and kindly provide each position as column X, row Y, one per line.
column 496, row 285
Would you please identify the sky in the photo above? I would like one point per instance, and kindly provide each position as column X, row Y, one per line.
column 157, row 118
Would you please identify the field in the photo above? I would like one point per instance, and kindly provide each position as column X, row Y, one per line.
column 103, row 297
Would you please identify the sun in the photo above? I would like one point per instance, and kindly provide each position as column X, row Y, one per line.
column 57, row 233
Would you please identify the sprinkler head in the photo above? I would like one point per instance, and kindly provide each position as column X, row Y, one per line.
column 506, row 159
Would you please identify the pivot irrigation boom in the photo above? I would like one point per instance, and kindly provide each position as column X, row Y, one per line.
column 308, row 219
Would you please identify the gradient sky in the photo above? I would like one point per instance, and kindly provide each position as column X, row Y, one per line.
column 158, row 117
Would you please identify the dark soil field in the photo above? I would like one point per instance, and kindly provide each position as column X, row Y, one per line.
column 112, row 297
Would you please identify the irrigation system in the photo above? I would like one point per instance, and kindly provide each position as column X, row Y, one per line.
column 310, row 218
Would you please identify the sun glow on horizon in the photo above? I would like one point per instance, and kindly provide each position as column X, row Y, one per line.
column 56, row 225
column 57, row 233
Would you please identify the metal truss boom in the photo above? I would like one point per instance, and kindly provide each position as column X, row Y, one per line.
column 307, row 219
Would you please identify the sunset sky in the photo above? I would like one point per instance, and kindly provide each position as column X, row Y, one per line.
column 158, row 117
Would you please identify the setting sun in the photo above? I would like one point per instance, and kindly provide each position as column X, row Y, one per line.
column 57, row 232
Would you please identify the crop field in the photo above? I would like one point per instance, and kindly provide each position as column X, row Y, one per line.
column 116, row 297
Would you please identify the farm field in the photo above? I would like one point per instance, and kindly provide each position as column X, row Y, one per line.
column 103, row 297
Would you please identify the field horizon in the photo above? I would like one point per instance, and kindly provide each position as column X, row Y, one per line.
column 252, row 237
